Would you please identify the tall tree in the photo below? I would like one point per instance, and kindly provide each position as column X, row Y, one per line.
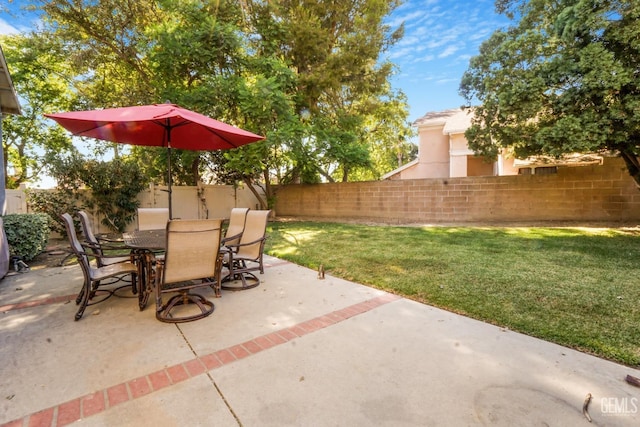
column 126, row 53
column 388, row 138
column 307, row 74
column 334, row 49
column 197, row 60
column 104, row 42
column 107, row 44
column 41, row 79
column 564, row 78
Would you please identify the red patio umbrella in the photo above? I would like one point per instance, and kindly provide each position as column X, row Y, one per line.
column 159, row 125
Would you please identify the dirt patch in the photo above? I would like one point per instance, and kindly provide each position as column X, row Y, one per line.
column 56, row 254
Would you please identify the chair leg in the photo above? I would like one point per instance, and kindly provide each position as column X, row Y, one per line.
column 80, row 294
column 163, row 312
column 145, row 279
column 83, row 299
column 248, row 279
column 93, row 290
column 88, row 299
column 89, row 291
column 218, row 278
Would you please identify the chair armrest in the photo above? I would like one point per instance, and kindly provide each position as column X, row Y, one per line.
column 93, row 247
column 227, row 238
column 87, row 244
column 103, row 246
column 262, row 239
column 110, row 246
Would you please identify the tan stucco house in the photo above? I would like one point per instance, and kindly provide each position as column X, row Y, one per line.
column 443, row 153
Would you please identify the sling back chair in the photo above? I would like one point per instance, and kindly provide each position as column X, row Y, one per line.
column 97, row 247
column 192, row 260
column 237, row 220
column 245, row 257
column 153, row 218
column 95, row 277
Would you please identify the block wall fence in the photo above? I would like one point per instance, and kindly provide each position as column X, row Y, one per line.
column 596, row 193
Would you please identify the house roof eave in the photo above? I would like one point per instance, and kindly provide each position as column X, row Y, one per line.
column 435, row 118
column 9, row 103
column 398, row 170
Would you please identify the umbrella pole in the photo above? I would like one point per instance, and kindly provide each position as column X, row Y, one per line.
column 169, row 182
column 168, row 128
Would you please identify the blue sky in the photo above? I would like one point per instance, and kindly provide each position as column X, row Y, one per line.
column 440, row 38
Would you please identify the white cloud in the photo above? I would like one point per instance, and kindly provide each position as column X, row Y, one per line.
column 450, row 50
column 408, row 19
column 402, row 53
column 425, row 58
column 409, row 40
column 447, row 81
column 481, row 34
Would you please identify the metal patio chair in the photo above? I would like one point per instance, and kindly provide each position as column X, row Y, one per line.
column 98, row 247
column 95, row 277
column 192, row 260
column 237, row 219
column 245, row 257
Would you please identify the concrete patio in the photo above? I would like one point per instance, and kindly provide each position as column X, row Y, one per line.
column 297, row 350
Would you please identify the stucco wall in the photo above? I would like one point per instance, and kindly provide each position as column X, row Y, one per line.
column 433, row 155
column 589, row 193
column 478, row 166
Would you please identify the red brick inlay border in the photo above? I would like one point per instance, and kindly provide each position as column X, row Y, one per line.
column 36, row 303
column 99, row 401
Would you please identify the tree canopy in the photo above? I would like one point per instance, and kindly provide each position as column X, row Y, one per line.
column 40, row 80
column 307, row 74
column 564, row 78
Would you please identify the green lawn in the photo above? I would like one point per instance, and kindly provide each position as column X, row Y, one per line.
column 577, row 287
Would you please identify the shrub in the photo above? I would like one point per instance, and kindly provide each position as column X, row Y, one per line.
column 114, row 190
column 27, row 234
column 53, row 203
column 113, row 185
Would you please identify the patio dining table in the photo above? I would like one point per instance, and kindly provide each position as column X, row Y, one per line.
column 145, row 244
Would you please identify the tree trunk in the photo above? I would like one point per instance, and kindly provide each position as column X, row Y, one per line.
column 328, row 177
column 195, row 170
column 345, row 174
column 268, row 190
column 249, row 183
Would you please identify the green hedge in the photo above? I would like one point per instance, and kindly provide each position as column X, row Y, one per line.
column 27, row 234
